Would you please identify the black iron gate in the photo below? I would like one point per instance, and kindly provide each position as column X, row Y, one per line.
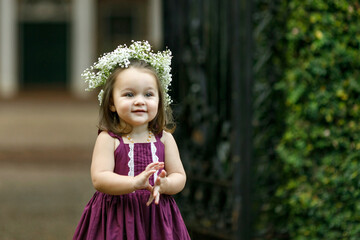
column 212, row 47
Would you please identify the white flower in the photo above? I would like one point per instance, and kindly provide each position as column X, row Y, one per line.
column 97, row 74
column 100, row 96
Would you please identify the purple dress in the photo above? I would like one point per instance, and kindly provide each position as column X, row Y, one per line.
column 126, row 216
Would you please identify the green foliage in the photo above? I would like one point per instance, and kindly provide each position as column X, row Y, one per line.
column 318, row 192
column 269, row 109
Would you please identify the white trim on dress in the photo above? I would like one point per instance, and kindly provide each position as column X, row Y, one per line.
column 154, row 157
column 131, row 160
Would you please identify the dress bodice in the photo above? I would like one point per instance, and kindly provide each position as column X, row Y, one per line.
column 132, row 158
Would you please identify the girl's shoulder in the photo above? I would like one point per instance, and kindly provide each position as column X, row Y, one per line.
column 108, row 134
column 107, row 137
column 166, row 137
column 103, row 134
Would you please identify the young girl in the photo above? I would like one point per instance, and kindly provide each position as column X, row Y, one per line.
column 136, row 165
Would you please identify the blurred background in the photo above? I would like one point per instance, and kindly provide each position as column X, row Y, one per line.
column 266, row 99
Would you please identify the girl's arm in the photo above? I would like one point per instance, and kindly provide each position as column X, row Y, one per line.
column 175, row 180
column 102, row 170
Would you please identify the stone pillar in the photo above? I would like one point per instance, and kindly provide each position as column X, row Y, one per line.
column 155, row 33
column 83, row 42
column 8, row 45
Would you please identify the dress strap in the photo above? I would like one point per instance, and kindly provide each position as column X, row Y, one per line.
column 116, row 136
column 158, row 136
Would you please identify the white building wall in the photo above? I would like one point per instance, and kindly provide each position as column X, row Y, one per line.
column 83, row 42
column 155, row 18
column 8, row 49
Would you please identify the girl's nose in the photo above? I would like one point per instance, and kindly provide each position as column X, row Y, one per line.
column 139, row 100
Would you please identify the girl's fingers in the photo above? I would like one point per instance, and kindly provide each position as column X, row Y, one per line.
column 157, row 198
column 142, row 180
column 151, row 169
column 150, row 166
column 156, row 191
column 149, row 188
column 155, row 165
column 163, row 173
column 151, row 198
column 149, row 173
column 154, row 196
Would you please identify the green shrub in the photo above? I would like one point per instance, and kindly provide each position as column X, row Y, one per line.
column 318, row 193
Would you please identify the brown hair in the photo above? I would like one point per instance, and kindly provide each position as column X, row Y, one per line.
column 110, row 121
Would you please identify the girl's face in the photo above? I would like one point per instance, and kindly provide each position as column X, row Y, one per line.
column 135, row 96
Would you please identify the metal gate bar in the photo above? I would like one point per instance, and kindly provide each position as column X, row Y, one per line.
column 211, row 44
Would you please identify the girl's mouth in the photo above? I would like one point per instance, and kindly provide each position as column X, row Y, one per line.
column 139, row 111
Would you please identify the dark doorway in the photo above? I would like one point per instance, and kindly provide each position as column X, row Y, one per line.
column 44, row 56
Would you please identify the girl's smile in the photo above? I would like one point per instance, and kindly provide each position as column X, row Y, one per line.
column 135, row 96
column 139, row 111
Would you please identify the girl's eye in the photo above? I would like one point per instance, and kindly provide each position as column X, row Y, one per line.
column 129, row 94
column 149, row 94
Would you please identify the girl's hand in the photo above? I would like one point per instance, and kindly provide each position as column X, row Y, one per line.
column 141, row 181
column 156, row 190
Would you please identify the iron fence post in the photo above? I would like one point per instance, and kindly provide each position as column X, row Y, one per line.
column 241, row 54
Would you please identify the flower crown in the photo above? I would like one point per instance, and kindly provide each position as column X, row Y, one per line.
column 99, row 72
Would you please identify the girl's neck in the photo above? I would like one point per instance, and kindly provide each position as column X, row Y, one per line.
column 133, row 130
column 139, row 130
column 140, row 134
